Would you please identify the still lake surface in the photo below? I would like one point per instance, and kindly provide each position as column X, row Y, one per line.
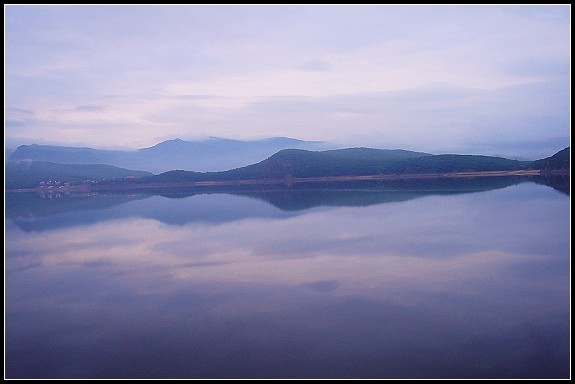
column 465, row 279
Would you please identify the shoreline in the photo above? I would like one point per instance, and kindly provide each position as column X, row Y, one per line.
column 287, row 181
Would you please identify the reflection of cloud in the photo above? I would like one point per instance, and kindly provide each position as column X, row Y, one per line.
column 348, row 291
column 383, row 249
column 323, row 286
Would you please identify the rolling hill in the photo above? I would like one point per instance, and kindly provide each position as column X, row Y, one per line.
column 560, row 160
column 301, row 164
column 294, row 163
column 287, row 165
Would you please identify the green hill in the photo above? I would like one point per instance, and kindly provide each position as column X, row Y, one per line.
column 287, row 164
column 296, row 163
column 364, row 161
column 560, row 160
column 302, row 164
column 453, row 163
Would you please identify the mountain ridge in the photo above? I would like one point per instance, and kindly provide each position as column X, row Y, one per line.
column 294, row 165
column 300, row 165
column 212, row 154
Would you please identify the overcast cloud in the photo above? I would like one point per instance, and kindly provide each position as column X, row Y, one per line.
column 465, row 79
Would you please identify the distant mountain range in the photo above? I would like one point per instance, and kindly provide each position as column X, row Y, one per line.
column 213, row 154
column 34, row 165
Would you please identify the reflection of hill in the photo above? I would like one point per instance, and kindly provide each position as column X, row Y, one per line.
column 216, row 205
column 558, row 182
column 34, row 212
column 31, row 212
column 365, row 193
column 31, row 205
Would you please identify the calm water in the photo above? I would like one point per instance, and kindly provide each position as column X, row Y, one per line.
column 361, row 281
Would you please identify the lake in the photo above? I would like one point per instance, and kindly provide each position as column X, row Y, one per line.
column 405, row 279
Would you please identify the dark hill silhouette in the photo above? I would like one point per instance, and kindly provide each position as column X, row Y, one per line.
column 558, row 161
column 294, row 163
column 297, row 165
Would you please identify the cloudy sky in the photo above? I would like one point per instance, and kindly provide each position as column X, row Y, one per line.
column 465, row 79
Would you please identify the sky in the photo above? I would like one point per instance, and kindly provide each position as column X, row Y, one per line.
column 442, row 79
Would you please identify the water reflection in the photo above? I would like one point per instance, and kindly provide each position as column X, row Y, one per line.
column 32, row 212
column 443, row 285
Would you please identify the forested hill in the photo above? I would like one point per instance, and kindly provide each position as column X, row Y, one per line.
column 302, row 163
column 560, row 160
column 288, row 164
column 349, row 162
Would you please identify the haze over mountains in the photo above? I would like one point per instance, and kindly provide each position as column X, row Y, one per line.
column 33, row 166
column 210, row 155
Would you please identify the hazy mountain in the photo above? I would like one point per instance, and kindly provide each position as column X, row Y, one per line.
column 285, row 164
column 214, row 154
column 28, row 174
